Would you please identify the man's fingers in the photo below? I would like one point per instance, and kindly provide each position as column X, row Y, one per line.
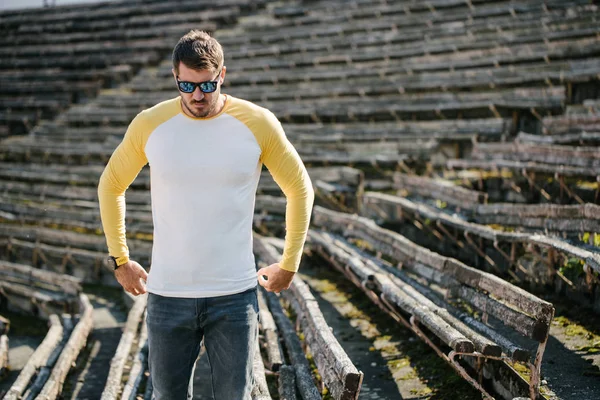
column 142, row 287
column 143, row 274
column 261, row 272
column 263, row 282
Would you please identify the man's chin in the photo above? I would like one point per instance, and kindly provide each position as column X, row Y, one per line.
column 198, row 112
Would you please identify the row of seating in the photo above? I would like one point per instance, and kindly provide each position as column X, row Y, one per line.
column 92, row 48
column 384, row 28
column 57, row 298
column 426, row 291
column 398, row 90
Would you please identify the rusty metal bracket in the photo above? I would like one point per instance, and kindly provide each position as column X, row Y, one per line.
column 564, row 187
column 452, row 237
column 463, row 372
column 532, row 183
column 480, row 252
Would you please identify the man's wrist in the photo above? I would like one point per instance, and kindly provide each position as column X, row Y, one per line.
column 285, row 268
column 116, row 262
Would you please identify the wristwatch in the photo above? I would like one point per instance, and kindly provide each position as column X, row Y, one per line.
column 113, row 262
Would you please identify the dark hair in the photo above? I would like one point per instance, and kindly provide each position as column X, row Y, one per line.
column 198, row 50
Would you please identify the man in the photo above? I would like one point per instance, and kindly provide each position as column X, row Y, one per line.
column 205, row 151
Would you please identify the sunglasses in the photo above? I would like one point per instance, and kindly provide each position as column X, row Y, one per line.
column 205, row 87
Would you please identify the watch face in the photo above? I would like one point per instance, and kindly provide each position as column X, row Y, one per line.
column 111, row 262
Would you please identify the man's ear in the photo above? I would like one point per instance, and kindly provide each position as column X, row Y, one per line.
column 223, row 72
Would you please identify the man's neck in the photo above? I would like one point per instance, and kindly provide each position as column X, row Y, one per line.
column 220, row 105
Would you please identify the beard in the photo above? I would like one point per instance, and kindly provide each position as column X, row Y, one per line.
column 200, row 112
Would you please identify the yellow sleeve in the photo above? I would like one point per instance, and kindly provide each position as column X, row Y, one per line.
column 283, row 162
column 124, row 165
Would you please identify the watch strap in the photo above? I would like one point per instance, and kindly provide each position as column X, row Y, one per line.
column 118, row 261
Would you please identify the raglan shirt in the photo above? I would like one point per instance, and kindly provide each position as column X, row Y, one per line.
column 204, row 173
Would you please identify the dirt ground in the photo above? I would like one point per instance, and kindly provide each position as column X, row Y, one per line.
column 571, row 364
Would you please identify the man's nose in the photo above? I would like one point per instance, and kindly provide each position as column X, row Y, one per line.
column 197, row 95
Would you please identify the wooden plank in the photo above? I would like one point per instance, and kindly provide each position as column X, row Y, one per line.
column 260, row 391
column 304, row 378
column 565, row 170
column 391, row 243
column 112, row 388
column 67, row 284
column 527, row 326
column 437, row 325
column 140, row 364
column 3, row 355
column 337, row 370
column 287, row 383
column 76, row 342
column 44, row 372
column 271, row 335
column 38, row 359
column 345, row 380
column 439, row 189
column 501, row 290
column 41, row 303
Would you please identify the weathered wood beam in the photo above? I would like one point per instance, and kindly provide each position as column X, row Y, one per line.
column 337, row 370
column 271, row 335
column 522, row 323
column 260, row 391
column 335, row 367
column 68, row 284
column 3, row 355
column 287, row 383
column 38, row 359
column 77, row 340
column 403, row 250
column 44, row 372
column 112, row 388
column 35, row 301
column 304, row 378
column 139, row 366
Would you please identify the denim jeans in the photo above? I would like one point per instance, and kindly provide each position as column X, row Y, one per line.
column 176, row 327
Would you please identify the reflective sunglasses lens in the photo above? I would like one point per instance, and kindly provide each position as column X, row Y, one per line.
column 186, row 87
column 208, row 87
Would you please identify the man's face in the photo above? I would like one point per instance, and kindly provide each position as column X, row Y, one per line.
column 198, row 104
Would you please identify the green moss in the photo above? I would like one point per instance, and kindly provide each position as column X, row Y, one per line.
column 587, row 185
column 408, row 376
column 573, row 329
column 399, row 363
column 421, row 392
column 591, row 238
column 522, row 369
column 440, row 204
column 572, row 268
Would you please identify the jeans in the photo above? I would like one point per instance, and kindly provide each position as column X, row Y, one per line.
column 176, row 327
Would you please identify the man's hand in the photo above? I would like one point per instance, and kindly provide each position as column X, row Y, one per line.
column 130, row 276
column 277, row 279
